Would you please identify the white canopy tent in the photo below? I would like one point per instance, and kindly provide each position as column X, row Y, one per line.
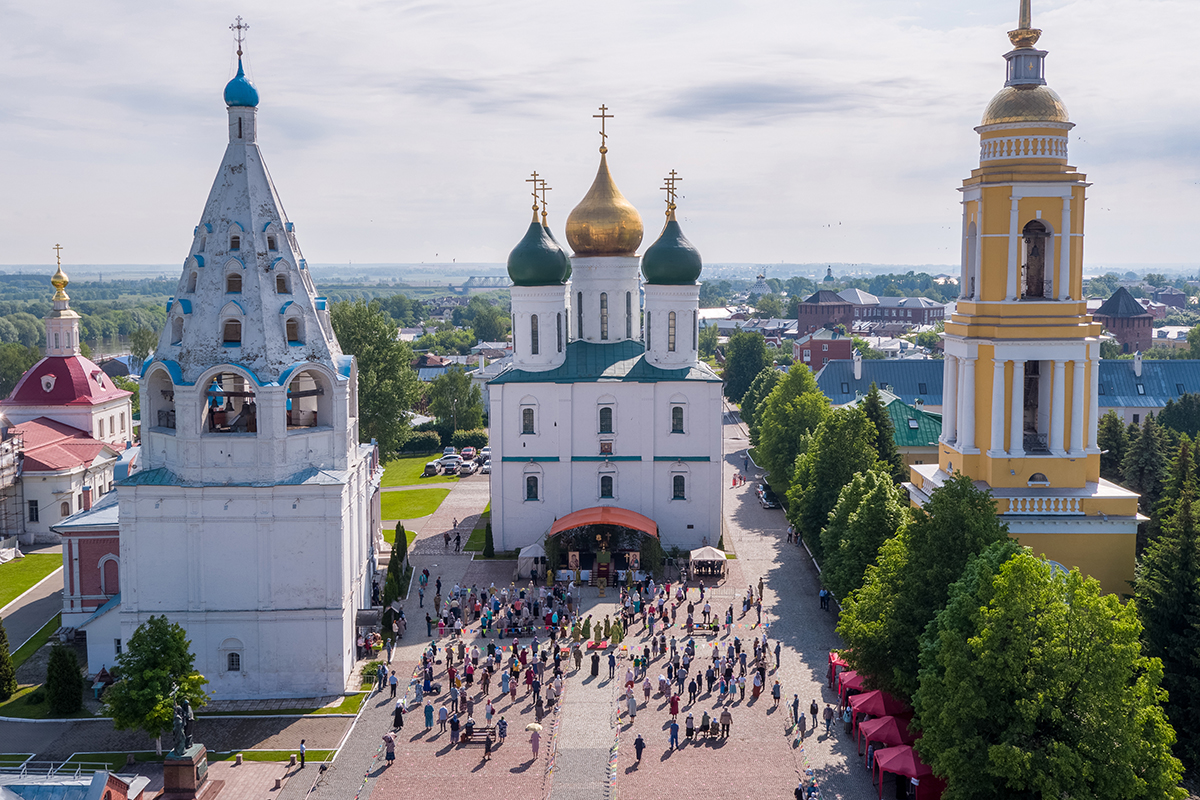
column 527, row 559
column 708, row 560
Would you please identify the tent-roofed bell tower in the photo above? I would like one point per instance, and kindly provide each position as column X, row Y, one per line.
column 1022, row 353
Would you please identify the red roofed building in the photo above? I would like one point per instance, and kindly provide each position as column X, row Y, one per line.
column 74, row 422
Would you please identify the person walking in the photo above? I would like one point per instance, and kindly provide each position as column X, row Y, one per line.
column 778, row 649
column 639, row 744
column 813, row 708
column 389, row 746
column 828, row 715
column 457, row 542
column 776, row 693
column 428, row 714
column 398, row 715
column 502, row 729
column 726, row 721
column 420, row 597
column 674, row 706
column 692, row 691
column 796, row 715
column 303, row 750
column 674, row 734
column 535, row 741
column 612, row 665
column 393, row 682
column 631, row 703
column 443, row 718
column 455, row 726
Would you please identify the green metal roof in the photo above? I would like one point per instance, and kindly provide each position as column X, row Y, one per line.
column 926, row 431
column 165, row 477
column 588, row 362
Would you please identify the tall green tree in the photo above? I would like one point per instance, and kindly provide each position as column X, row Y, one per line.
column 1182, row 415
column 841, row 446
column 387, row 384
column 490, row 324
column 769, row 306
column 1033, row 685
column 1113, row 440
column 752, row 401
column 885, row 435
column 130, row 385
column 793, row 410
column 908, row 585
column 141, row 344
column 64, row 682
column 710, row 335
column 455, row 398
column 156, row 666
column 1144, row 467
column 869, row 510
column 745, row 357
column 8, row 671
column 15, row 361
column 1167, row 589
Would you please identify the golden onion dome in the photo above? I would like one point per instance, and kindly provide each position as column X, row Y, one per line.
column 1025, row 103
column 604, row 223
column 59, row 282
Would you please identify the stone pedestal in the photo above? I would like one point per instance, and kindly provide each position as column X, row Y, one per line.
column 185, row 777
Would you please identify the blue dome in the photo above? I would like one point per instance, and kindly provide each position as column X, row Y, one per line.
column 240, row 91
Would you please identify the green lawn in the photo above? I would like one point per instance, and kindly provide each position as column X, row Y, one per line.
column 389, row 535
column 116, row 761
column 40, row 638
column 407, row 472
column 272, row 755
column 20, row 575
column 475, row 540
column 412, row 504
column 19, row 706
column 349, row 705
column 15, row 758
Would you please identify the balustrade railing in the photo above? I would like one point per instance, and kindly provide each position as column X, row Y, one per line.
column 1023, row 147
column 1045, row 505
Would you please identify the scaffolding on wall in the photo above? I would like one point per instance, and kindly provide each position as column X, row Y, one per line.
column 12, row 494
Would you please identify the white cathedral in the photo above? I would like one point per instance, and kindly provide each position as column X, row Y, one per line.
column 253, row 520
column 606, row 408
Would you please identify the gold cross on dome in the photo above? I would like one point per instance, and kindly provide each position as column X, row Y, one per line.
column 58, row 253
column 603, row 116
column 238, row 27
column 535, row 180
column 543, row 188
column 670, row 189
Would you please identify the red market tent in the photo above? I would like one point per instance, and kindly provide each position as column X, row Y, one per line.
column 885, row 730
column 835, row 661
column 849, row 681
column 878, row 704
column 903, row 762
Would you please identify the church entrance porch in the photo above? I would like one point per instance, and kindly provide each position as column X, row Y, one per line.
column 604, row 545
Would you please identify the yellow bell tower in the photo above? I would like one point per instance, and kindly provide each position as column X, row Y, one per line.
column 1020, row 407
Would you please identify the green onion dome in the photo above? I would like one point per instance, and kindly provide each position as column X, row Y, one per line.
column 537, row 260
column 550, row 233
column 672, row 260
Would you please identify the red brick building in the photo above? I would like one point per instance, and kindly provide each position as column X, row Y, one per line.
column 824, row 309
column 818, row 348
column 1130, row 324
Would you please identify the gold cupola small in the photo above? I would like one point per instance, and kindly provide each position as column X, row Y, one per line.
column 604, row 223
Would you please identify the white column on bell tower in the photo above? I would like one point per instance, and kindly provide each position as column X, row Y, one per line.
column 1077, row 409
column 950, row 401
column 1058, row 403
column 1016, row 436
column 966, row 414
column 1064, row 255
column 1094, row 400
column 997, row 443
column 1014, row 250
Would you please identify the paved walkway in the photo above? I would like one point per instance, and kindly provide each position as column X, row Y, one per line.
column 27, row 614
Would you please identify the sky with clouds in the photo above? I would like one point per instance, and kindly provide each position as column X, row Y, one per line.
column 403, row 131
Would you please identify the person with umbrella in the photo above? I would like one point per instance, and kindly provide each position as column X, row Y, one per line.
column 389, row 746
column 535, row 737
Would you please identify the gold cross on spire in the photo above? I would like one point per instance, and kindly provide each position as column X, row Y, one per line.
column 238, row 28
column 543, row 188
column 603, row 116
column 670, row 182
column 535, row 181
column 58, row 254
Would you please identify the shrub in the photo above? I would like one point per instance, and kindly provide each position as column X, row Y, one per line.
column 64, row 683
column 474, row 438
column 422, row 442
column 8, row 673
column 489, row 546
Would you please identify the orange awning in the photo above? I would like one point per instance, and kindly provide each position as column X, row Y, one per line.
column 605, row 515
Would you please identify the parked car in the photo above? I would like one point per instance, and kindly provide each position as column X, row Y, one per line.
column 466, row 468
column 760, row 488
column 486, row 469
column 485, row 454
column 768, row 499
column 449, row 451
column 450, row 463
column 468, row 453
column 431, row 469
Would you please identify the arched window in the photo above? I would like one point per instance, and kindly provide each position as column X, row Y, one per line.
column 232, row 333
column 579, row 312
column 176, row 330
column 309, row 401
column 294, row 333
column 271, row 243
column 695, row 330
column 233, row 662
column 110, row 575
column 531, row 487
column 533, row 334
column 558, row 330
column 281, row 285
column 969, row 258
column 233, row 283
column 649, row 329
column 604, row 316
column 235, row 241
column 230, row 405
column 677, row 419
column 192, row 283
column 203, row 243
column 606, row 425
column 64, row 509
column 160, row 396
column 671, row 332
column 526, row 420
column 678, row 487
column 56, row 344
column 606, row 486
column 628, row 315
column 1037, row 238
